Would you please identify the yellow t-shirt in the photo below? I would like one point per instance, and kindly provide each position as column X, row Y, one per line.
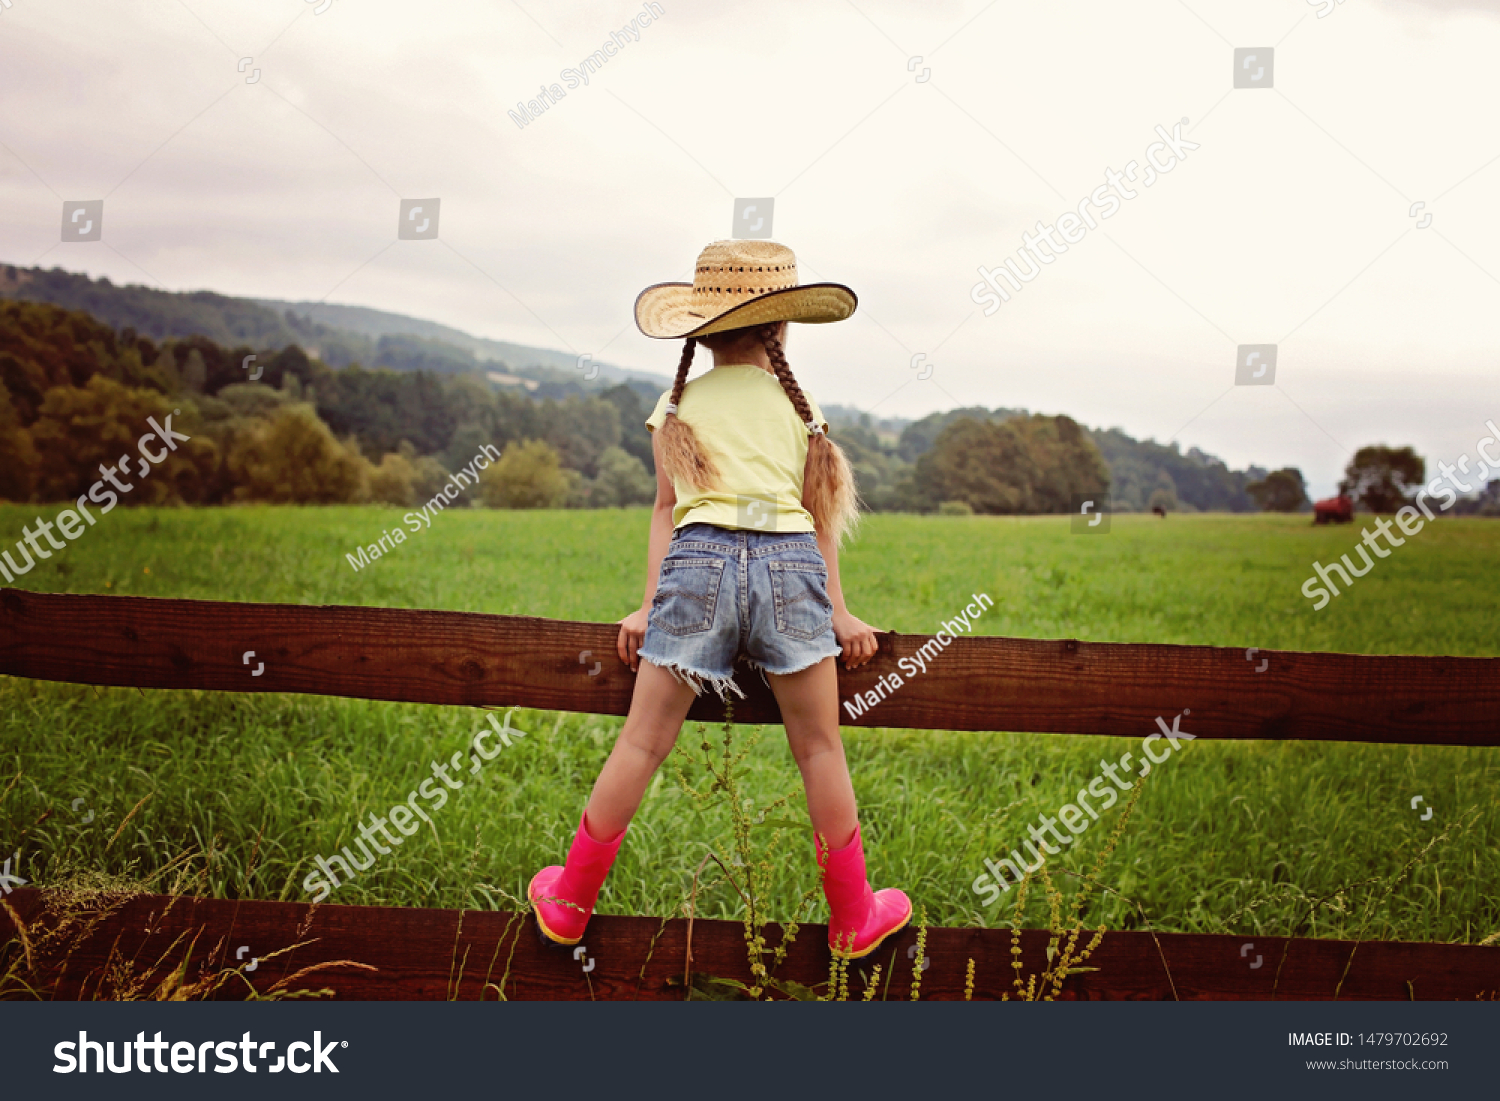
column 743, row 418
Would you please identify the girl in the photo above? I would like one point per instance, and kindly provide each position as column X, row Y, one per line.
column 752, row 501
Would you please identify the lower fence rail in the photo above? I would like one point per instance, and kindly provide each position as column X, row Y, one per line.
column 66, row 946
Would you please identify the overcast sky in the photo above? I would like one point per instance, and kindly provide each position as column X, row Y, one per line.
column 905, row 145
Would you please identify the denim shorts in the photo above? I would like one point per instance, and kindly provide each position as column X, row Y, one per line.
column 725, row 592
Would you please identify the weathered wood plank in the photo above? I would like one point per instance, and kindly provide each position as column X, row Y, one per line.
column 1062, row 685
column 431, row 954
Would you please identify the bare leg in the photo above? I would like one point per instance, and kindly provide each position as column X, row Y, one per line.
column 809, row 703
column 657, row 710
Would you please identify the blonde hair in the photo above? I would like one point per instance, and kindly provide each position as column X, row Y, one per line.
column 828, row 491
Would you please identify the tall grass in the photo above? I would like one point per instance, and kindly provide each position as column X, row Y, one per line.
column 264, row 784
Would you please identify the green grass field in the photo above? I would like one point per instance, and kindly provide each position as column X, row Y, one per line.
column 1265, row 838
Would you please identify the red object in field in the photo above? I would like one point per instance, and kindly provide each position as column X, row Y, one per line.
column 1339, row 510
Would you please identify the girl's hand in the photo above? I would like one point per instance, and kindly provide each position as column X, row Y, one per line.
column 632, row 634
column 856, row 637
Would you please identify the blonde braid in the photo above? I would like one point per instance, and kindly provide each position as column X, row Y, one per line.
column 828, row 490
column 682, row 456
column 683, row 366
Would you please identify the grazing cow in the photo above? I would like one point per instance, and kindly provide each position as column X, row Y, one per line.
column 1157, row 510
column 1338, row 510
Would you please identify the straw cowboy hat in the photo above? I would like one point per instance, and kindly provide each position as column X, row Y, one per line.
column 737, row 284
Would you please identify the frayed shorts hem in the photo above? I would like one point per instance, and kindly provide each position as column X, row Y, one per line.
column 798, row 667
column 697, row 680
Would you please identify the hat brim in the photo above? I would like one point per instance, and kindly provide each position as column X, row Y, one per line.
column 668, row 311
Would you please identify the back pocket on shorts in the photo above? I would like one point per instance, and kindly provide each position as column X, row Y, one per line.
column 800, row 593
column 686, row 595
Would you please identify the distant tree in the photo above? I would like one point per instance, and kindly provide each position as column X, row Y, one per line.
column 166, row 364
column 405, row 352
column 428, row 475
column 878, row 467
column 42, row 346
column 1383, row 478
column 467, row 441
column 80, row 429
column 1067, row 461
column 955, row 508
column 920, row 436
column 382, row 408
column 288, row 370
column 405, row 478
column 1164, row 495
column 505, row 416
column 581, row 430
column 393, row 481
column 251, row 399
column 1198, row 480
column 293, row 458
column 528, row 475
column 635, row 437
column 194, row 372
column 1163, row 499
column 1023, row 464
column 986, row 465
column 1281, row 490
column 18, row 456
column 622, row 481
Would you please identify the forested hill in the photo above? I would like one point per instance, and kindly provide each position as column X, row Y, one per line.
column 338, row 335
column 279, row 426
column 1142, row 473
column 381, row 326
column 425, row 409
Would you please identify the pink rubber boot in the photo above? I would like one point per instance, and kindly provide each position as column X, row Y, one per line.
column 577, row 882
column 853, row 909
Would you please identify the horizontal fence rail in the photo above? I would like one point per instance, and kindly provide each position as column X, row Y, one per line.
column 136, row 946
column 1012, row 684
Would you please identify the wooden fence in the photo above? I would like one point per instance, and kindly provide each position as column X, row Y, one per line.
column 1060, row 686
column 381, row 953
column 1044, row 686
